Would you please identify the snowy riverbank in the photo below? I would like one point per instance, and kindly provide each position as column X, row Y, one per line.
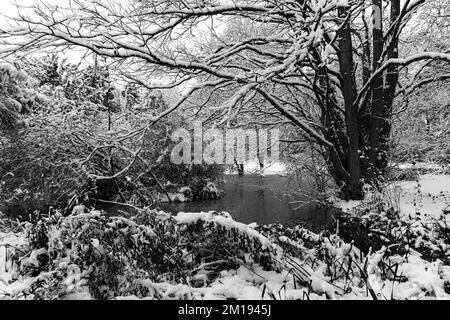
column 428, row 195
column 249, row 261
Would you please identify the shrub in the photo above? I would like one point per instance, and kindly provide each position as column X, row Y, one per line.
column 111, row 256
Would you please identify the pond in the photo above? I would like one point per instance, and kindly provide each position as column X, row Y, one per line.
column 249, row 198
column 261, row 199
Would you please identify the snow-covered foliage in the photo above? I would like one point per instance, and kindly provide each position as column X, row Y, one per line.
column 207, row 190
column 17, row 95
column 87, row 134
column 208, row 256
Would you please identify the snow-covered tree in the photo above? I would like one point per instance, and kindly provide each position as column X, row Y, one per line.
column 340, row 56
column 17, row 95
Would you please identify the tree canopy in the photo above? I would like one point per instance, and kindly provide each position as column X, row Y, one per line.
column 330, row 69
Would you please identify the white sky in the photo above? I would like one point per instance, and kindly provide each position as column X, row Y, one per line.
column 8, row 8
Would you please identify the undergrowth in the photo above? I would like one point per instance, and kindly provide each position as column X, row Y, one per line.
column 106, row 257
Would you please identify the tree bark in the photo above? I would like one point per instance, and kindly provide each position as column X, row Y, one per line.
column 365, row 112
column 389, row 91
column 353, row 187
column 377, row 91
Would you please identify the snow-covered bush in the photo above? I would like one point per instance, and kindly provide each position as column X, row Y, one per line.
column 203, row 180
column 204, row 189
column 111, row 256
column 81, row 144
column 427, row 235
column 18, row 95
column 92, row 255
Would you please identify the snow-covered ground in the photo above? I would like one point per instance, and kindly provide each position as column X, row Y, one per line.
column 241, row 284
column 429, row 195
column 422, row 279
column 425, row 166
column 9, row 240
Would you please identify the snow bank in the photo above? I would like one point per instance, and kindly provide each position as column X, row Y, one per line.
column 8, row 275
column 430, row 195
column 420, row 166
column 422, row 279
column 240, row 284
column 306, row 268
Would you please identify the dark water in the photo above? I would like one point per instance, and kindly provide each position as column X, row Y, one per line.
column 248, row 198
column 264, row 200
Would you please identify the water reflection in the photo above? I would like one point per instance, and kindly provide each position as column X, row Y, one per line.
column 254, row 198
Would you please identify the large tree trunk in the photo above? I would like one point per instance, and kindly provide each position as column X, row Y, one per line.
column 365, row 111
column 360, row 138
column 377, row 92
column 353, row 187
column 389, row 91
